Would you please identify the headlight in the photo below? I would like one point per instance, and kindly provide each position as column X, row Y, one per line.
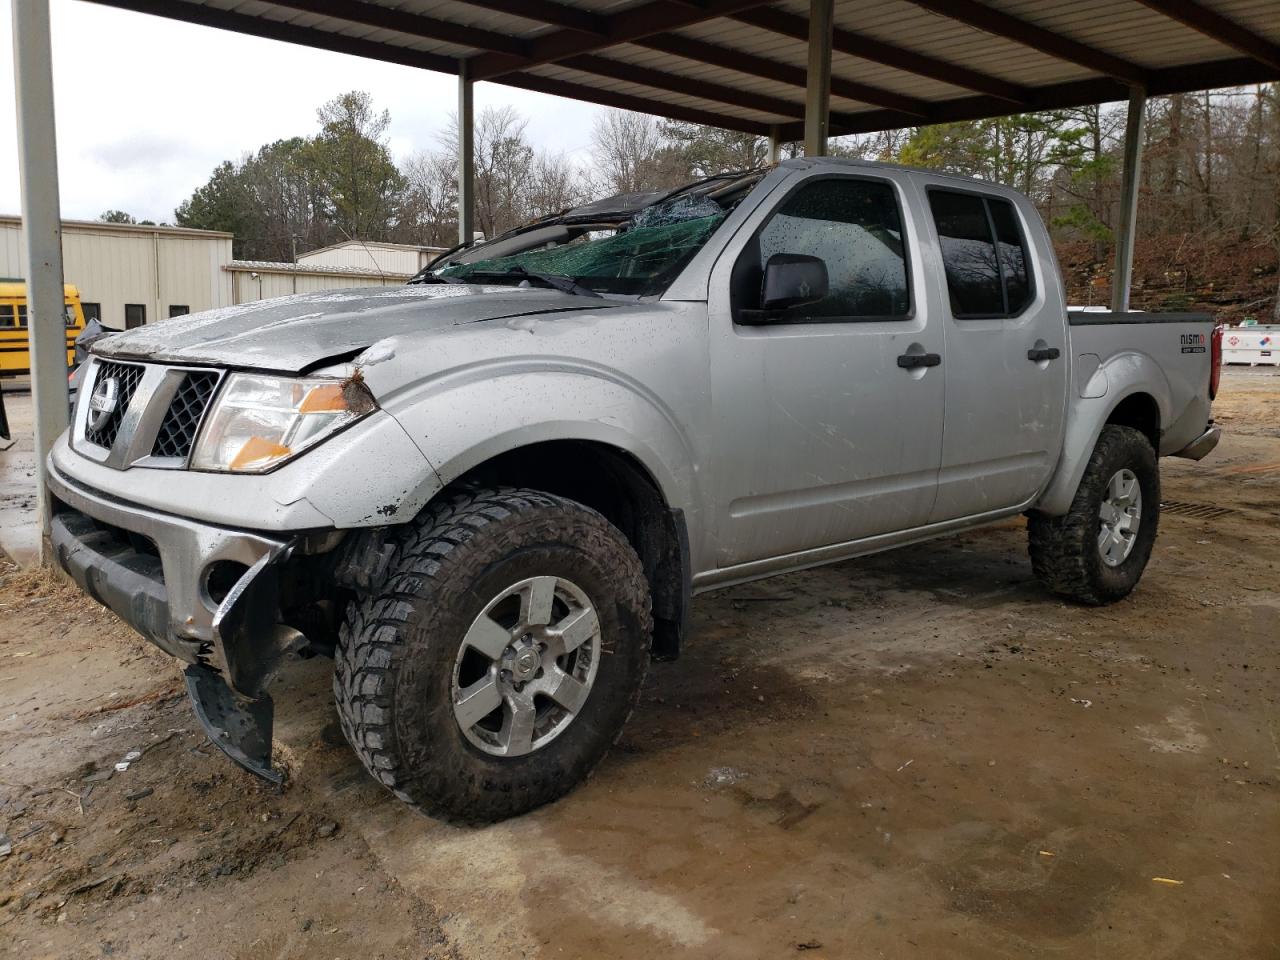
column 259, row 422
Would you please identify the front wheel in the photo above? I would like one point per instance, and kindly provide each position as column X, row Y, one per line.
column 498, row 661
column 1097, row 552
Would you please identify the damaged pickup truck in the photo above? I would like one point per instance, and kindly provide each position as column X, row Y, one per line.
column 491, row 494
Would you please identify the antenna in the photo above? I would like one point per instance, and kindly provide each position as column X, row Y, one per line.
column 372, row 259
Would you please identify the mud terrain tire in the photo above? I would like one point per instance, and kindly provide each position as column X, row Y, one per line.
column 399, row 645
column 1064, row 551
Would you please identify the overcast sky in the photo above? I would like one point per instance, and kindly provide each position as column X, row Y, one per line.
column 147, row 107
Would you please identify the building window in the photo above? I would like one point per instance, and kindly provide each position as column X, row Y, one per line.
column 178, row 310
column 91, row 311
column 135, row 315
column 983, row 253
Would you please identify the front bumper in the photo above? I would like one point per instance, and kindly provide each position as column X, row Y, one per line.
column 157, row 572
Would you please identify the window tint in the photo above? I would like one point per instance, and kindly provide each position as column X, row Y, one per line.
column 135, row 315
column 854, row 227
column 1013, row 258
column 7, row 315
column 987, row 274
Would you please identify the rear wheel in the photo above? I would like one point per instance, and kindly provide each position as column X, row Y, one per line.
column 498, row 661
column 1097, row 552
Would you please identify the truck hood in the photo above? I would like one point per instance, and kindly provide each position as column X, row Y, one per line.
column 302, row 332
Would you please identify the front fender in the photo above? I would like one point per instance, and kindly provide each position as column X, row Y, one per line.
column 462, row 420
column 1121, row 375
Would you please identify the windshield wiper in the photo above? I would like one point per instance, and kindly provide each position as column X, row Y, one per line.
column 425, row 276
column 553, row 280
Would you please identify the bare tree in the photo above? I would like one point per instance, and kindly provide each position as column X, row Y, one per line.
column 632, row 154
column 431, row 200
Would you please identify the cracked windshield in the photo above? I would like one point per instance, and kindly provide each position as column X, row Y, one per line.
column 640, row 256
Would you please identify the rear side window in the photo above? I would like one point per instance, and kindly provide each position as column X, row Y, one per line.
column 983, row 253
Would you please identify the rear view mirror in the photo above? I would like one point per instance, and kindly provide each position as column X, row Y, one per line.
column 791, row 279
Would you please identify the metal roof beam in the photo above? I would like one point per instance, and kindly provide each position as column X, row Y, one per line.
column 277, row 30
column 631, row 24
column 626, row 101
column 1037, row 38
column 702, row 52
column 413, row 24
column 877, row 51
column 1073, row 93
column 544, row 11
column 659, row 80
column 1217, row 27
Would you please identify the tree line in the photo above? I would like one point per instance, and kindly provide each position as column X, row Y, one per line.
column 1210, row 173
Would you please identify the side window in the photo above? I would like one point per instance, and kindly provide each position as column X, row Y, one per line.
column 1012, row 255
column 7, row 316
column 855, row 228
column 135, row 315
column 983, row 254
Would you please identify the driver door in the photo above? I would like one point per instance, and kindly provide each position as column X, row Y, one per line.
column 822, row 435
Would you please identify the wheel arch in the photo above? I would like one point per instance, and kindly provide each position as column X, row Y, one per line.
column 1136, row 407
column 618, row 485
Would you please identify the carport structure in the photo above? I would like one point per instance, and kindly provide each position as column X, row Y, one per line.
column 795, row 70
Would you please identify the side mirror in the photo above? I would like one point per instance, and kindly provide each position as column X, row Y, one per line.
column 791, row 279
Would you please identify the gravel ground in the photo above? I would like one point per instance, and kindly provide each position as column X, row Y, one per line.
column 918, row 754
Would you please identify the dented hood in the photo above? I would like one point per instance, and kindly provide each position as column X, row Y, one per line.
column 298, row 333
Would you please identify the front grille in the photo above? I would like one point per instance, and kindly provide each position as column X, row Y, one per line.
column 127, row 376
column 182, row 419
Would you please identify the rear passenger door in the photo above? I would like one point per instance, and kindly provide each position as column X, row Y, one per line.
column 1006, row 351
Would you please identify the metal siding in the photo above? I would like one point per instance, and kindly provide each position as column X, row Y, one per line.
column 366, row 257
column 270, row 285
column 113, row 267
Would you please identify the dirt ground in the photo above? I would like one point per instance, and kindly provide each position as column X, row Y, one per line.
column 919, row 754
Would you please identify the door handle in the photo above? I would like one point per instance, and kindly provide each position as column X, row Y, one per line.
column 910, row 361
column 1043, row 353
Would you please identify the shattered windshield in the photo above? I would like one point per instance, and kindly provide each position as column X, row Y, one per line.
column 639, row 255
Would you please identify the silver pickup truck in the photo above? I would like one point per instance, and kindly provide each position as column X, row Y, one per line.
column 491, row 494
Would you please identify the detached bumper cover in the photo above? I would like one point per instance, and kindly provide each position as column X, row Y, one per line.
column 1203, row 445
column 148, row 568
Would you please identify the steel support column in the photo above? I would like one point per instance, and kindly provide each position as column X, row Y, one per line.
column 1122, row 275
column 775, row 145
column 466, row 154
column 42, row 232
column 817, row 97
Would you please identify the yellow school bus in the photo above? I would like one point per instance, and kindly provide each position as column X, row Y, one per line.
column 14, row 347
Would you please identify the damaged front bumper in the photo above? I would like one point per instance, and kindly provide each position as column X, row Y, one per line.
column 208, row 595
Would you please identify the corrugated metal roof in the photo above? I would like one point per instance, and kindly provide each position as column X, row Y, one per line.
column 740, row 63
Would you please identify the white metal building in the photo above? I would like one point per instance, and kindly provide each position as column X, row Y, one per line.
column 262, row 279
column 401, row 259
column 129, row 275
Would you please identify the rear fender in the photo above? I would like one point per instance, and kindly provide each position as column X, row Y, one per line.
column 1122, row 375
